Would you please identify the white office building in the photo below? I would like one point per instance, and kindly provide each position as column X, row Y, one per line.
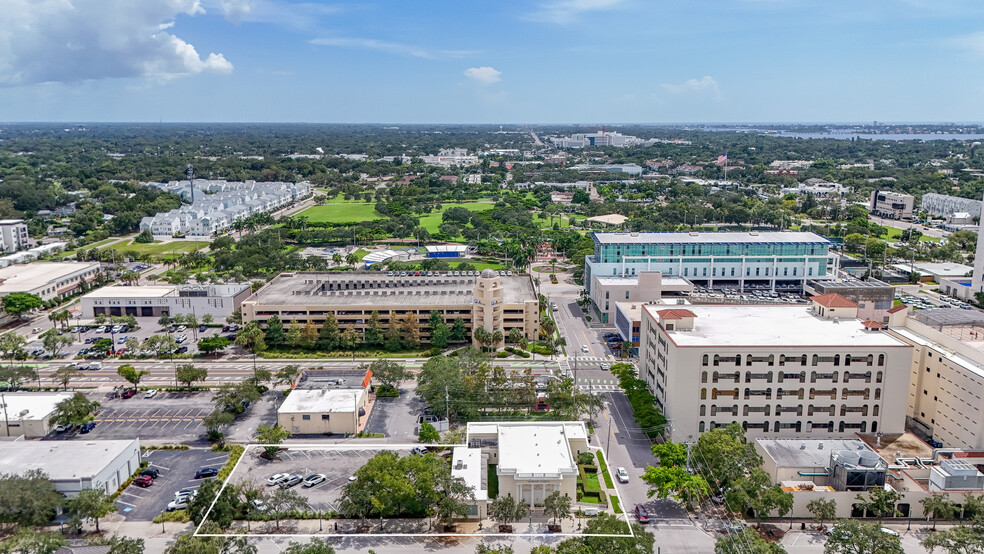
column 28, row 414
column 780, row 260
column 219, row 301
column 47, row 280
column 942, row 205
column 13, row 235
column 779, row 371
column 895, row 205
column 75, row 465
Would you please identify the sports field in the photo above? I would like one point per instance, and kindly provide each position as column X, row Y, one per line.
column 341, row 212
column 161, row 248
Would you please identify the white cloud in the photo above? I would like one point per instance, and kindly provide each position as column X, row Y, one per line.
column 705, row 84
column 485, row 74
column 566, row 11
column 392, row 47
column 61, row 41
column 236, row 10
column 973, row 43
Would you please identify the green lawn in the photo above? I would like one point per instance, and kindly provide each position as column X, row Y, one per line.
column 591, row 482
column 616, row 505
column 493, row 482
column 433, row 221
column 895, row 234
column 361, row 253
column 161, row 248
column 342, row 212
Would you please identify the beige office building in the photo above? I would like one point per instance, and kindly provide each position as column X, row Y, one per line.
column 28, row 414
column 946, row 375
column 779, row 371
column 488, row 300
column 323, row 411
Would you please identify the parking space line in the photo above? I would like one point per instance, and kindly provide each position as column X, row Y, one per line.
column 118, row 501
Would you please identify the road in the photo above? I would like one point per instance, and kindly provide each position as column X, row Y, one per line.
column 929, row 232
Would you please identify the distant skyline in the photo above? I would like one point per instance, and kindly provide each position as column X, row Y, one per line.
column 538, row 61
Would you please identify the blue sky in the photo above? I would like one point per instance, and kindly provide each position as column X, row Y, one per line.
column 535, row 61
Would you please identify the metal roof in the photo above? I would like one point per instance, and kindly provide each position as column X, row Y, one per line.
column 766, row 237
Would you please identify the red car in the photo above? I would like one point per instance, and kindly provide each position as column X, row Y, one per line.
column 641, row 514
column 128, row 393
column 144, row 481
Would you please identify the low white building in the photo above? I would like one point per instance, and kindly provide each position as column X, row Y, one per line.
column 323, row 411
column 47, row 280
column 219, row 301
column 76, row 465
column 28, row 414
column 779, row 371
column 895, row 205
column 532, row 459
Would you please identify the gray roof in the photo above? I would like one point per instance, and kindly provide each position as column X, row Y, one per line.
column 788, row 453
column 83, row 550
column 764, row 237
column 937, row 317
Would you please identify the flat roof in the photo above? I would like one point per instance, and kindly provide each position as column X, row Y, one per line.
column 310, row 289
column 711, row 237
column 539, row 449
column 610, row 219
column 789, row 453
column 321, row 401
column 446, row 248
column 771, row 325
column 24, row 406
column 16, row 278
column 120, row 291
column 466, row 463
column 63, row 460
column 666, row 281
column 946, row 269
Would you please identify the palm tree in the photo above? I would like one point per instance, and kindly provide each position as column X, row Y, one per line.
column 337, row 258
column 351, row 259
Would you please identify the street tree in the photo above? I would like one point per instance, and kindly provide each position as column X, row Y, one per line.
column 284, row 501
column 252, row 338
column 639, row 541
column 388, row 373
column 671, row 453
column 452, row 494
column 958, row 539
column 850, row 536
column 746, row 541
column 939, row 506
column 271, row 435
column 822, row 509
column 211, row 345
column 29, row 540
column 505, row 509
column 12, row 344
column 294, row 338
column 677, row 483
column 118, row 544
column 64, row 375
column 19, row 303
column 557, row 506
column 374, row 333
column 459, row 333
column 131, row 374
column 723, row 455
column 74, row 411
column 91, row 505
column 316, row 546
column 287, row 374
column 54, row 342
column 880, row 502
column 189, row 373
column 329, row 335
column 17, row 374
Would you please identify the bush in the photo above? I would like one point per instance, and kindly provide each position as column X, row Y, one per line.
column 235, row 452
column 387, row 391
column 585, row 458
column 165, row 447
column 502, row 354
column 180, row 516
column 603, row 468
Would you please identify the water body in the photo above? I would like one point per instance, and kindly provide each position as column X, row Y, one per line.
column 848, row 134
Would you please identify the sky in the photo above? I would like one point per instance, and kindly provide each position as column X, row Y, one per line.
column 507, row 61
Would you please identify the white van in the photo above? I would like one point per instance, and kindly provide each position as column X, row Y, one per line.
column 95, row 366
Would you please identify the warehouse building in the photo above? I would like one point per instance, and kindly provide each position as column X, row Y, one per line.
column 77, row 465
column 487, row 300
column 446, row 250
column 219, row 301
column 779, row 371
column 29, row 414
column 47, row 280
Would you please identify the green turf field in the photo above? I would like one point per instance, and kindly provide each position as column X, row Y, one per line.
column 341, row 212
column 161, row 248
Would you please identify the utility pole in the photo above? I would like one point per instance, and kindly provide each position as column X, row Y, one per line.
column 6, row 422
column 447, row 410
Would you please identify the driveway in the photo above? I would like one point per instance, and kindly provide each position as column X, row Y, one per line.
column 396, row 418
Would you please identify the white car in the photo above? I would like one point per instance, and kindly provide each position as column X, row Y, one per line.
column 277, row 479
column 888, row 531
column 179, row 504
column 622, row 475
column 313, row 480
column 585, row 349
column 151, row 393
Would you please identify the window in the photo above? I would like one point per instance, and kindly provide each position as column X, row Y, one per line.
column 703, row 376
column 703, row 410
column 704, row 363
column 607, row 292
column 626, row 295
column 703, row 394
column 306, row 416
column 324, row 416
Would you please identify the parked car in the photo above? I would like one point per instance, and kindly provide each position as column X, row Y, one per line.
column 128, row 393
column 181, row 350
column 202, row 328
column 121, row 340
column 418, row 451
column 641, row 514
column 313, row 480
column 180, row 504
column 151, row 393
column 206, row 472
column 292, row 481
column 185, row 493
column 61, row 428
column 87, row 427
column 622, row 475
column 182, row 328
column 277, row 478
column 152, row 472
column 144, row 481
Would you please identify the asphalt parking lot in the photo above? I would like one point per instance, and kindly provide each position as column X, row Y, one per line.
column 396, row 418
column 177, row 469
column 173, row 417
column 337, row 464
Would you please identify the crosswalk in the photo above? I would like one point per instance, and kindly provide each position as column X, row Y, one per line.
column 597, row 385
